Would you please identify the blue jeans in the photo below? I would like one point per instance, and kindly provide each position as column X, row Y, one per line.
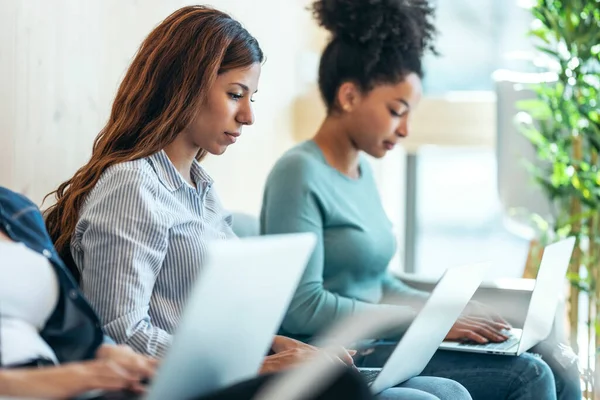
column 492, row 377
column 426, row 388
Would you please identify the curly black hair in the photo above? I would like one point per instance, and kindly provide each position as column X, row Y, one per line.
column 373, row 42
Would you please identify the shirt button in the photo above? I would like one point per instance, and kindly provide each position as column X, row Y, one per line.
column 47, row 253
column 73, row 294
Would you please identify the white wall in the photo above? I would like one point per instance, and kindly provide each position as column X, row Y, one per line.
column 61, row 62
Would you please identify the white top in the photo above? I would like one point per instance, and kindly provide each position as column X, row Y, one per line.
column 29, row 292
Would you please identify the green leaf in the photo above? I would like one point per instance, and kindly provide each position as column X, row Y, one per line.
column 579, row 283
column 534, row 136
column 594, row 142
column 564, row 231
column 540, row 33
column 536, row 108
column 575, row 182
column 559, row 174
column 540, row 222
column 549, row 51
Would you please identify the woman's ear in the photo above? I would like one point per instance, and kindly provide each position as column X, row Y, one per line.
column 348, row 96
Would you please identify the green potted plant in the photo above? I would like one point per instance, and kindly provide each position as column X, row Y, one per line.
column 563, row 125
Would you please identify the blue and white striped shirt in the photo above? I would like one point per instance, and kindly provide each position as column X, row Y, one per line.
column 139, row 245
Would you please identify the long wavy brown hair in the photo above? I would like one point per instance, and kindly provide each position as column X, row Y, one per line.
column 164, row 86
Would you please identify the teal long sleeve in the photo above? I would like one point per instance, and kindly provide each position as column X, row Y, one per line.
column 347, row 273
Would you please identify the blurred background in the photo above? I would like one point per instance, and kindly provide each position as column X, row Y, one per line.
column 455, row 191
column 61, row 63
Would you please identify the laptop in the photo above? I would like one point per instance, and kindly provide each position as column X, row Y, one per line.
column 232, row 314
column 419, row 343
column 422, row 338
column 542, row 306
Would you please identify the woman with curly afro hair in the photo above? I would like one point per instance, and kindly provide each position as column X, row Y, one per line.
column 370, row 80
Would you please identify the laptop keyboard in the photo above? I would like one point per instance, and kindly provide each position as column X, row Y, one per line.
column 509, row 343
column 369, row 374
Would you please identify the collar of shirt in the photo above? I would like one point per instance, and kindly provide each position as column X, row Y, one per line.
column 172, row 179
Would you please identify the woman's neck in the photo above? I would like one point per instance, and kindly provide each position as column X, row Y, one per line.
column 337, row 147
column 182, row 156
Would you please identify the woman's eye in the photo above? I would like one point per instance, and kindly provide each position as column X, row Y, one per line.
column 236, row 96
column 398, row 111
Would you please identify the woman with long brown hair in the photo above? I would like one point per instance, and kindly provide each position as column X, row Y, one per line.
column 136, row 218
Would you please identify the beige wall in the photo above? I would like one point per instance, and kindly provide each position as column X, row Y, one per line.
column 61, row 62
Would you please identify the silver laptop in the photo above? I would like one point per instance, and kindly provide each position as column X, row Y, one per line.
column 542, row 306
column 429, row 328
column 232, row 314
column 419, row 343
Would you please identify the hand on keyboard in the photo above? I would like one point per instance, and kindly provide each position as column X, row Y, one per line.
column 478, row 330
column 505, row 345
column 370, row 375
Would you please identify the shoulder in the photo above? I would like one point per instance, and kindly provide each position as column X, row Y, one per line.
column 12, row 201
column 299, row 163
column 131, row 177
column 23, row 220
column 17, row 207
column 124, row 186
column 135, row 173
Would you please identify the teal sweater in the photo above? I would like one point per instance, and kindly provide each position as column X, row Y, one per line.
column 347, row 272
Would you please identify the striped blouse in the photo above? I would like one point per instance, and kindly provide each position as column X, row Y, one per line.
column 139, row 245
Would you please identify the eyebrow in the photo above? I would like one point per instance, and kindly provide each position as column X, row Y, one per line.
column 244, row 87
column 403, row 102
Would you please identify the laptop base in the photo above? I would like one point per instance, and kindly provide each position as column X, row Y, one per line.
column 369, row 374
column 508, row 348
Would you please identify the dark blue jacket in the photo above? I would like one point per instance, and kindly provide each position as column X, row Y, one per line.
column 73, row 330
